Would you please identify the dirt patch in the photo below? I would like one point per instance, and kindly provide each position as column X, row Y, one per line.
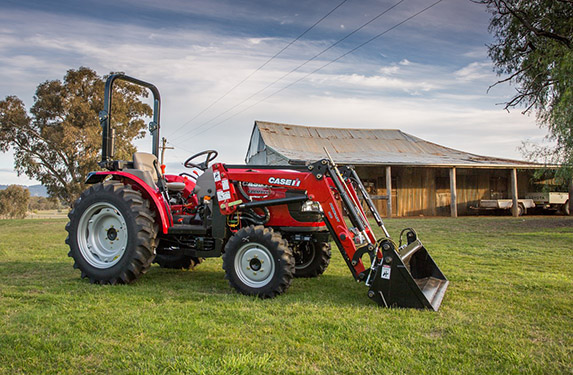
column 543, row 222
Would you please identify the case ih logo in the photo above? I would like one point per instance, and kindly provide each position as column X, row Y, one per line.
column 284, row 181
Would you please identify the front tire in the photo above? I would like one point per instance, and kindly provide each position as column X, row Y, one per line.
column 311, row 258
column 111, row 234
column 258, row 262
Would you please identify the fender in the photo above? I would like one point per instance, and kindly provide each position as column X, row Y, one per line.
column 156, row 198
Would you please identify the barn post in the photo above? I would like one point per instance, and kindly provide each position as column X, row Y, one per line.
column 514, row 194
column 389, row 191
column 453, row 194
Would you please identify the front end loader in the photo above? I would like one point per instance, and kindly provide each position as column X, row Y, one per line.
column 269, row 223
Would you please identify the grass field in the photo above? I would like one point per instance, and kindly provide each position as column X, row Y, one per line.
column 509, row 309
column 48, row 214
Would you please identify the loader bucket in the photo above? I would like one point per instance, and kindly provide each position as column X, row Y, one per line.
column 409, row 278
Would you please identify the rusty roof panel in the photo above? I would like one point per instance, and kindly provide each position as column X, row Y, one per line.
column 370, row 146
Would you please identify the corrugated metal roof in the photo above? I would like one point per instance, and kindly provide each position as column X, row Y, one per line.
column 370, row 146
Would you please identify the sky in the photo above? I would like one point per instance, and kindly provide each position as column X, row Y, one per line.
column 428, row 76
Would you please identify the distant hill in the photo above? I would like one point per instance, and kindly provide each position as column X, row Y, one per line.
column 35, row 190
column 38, row 191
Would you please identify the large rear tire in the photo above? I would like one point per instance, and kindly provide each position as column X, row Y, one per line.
column 111, row 234
column 311, row 258
column 258, row 262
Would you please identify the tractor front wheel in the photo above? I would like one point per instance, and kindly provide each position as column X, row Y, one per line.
column 111, row 234
column 257, row 261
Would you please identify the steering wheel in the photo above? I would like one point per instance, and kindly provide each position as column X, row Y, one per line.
column 211, row 155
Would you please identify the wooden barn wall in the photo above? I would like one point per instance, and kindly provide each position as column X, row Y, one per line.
column 418, row 191
column 473, row 185
column 374, row 180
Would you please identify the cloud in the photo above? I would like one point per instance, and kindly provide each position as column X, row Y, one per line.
column 474, row 71
column 479, row 52
column 382, row 82
column 257, row 41
column 7, row 174
column 389, row 70
column 420, row 86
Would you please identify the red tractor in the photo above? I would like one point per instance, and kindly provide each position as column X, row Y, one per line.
column 269, row 223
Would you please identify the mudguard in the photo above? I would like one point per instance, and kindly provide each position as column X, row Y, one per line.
column 156, row 199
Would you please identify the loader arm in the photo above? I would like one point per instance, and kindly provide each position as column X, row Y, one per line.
column 404, row 276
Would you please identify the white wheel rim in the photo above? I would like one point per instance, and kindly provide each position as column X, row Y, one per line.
column 254, row 265
column 102, row 235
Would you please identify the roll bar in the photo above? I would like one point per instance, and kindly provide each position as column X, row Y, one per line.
column 108, row 133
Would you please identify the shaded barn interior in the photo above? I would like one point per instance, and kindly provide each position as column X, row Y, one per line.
column 424, row 178
column 426, row 191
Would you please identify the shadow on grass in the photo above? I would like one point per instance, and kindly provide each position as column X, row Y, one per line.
column 324, row 290
column 59, row 278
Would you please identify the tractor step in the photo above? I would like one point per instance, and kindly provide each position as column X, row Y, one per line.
column 187, row 229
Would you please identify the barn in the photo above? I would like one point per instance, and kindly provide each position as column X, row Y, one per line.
column 405, row 175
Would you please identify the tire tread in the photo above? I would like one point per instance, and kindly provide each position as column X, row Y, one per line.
column 145, row 227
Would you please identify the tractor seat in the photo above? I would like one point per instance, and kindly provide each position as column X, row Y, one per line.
column 144, row 167
column 176, row 186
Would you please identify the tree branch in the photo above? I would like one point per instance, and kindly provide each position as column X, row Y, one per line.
column 537, row 31
column 509, row 78
column 43, row 163
column 60, row 154
column 531, row 94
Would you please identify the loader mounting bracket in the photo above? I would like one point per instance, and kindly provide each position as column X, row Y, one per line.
column 366, row 249
column 319, row 168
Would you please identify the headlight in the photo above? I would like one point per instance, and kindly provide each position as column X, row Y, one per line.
column 311, row 206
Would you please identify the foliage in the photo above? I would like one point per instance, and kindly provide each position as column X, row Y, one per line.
column 43, row 204
column 14, row 201
column 507, row 311
column 58, row 143
column 534, row 46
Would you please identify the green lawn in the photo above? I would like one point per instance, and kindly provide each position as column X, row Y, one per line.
column 508, row 309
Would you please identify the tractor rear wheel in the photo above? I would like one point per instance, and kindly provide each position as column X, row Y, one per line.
column 311, row 258
column 111, row 234
column 257, row 261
